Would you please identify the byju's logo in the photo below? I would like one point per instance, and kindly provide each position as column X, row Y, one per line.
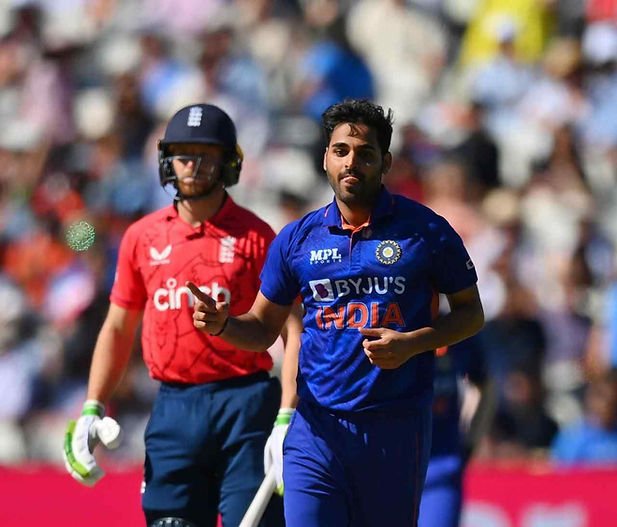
column 322, row 256
column 160, row 258
column 325, row 289
column 322, row 290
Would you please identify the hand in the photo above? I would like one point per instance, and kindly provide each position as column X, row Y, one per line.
column 208, row 315
column 273, row 453
column 386, row 349
column 81, row 438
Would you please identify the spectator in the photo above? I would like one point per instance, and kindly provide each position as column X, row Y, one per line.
column 593, row 439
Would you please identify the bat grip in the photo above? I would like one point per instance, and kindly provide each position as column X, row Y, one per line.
column 256, row 509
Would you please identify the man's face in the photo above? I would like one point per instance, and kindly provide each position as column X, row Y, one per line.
column 196, row 166
column 354, row 164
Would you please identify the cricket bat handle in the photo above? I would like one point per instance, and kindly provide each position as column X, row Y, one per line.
column 258, row 506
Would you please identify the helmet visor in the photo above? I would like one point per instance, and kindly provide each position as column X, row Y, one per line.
column 198, row 168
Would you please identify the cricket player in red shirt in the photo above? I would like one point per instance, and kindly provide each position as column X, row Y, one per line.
column 216, row 404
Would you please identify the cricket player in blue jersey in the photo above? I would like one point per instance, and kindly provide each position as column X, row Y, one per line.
column 463, row 405
column 367, row 268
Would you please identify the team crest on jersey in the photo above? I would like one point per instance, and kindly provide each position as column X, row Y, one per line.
column 227, row 249
column 160, row 258
column 388, row 252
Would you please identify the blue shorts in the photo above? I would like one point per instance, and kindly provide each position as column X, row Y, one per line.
column 361, row 470
column 204, row 450
column 442, row 499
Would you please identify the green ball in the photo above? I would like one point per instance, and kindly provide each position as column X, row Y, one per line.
column 80, row 236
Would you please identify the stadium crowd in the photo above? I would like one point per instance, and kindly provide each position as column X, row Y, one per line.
column 508, row 113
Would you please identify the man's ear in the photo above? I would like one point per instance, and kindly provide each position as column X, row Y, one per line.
column 387, row 163
column 325, row 154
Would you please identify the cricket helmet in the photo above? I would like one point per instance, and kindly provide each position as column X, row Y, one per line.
column 201, row 124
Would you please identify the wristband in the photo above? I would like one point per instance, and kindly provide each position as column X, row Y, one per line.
column 284, row 416
column 93, row 407
column 222, row 329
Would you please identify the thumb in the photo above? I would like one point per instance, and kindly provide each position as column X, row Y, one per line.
column 371, row 332
column 200, row 295
column 108, row 432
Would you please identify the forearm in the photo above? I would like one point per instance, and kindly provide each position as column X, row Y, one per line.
column 447, row 330
column 259, row 328
column 289, row 397
column 248, row 333
column 109, row 361
column 289, row 372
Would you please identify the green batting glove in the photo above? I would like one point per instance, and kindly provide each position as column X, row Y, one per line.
column 273, row 453
column 82, row 436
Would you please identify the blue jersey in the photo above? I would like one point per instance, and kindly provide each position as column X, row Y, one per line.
column 384, row 274
column 464, row 359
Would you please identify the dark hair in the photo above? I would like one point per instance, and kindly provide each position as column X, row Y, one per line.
column 359, row 111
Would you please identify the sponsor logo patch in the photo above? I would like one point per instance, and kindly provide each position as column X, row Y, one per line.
column 326, row 290
column 323, row 256
column 160, row 258
column 322, row 290
column 174, row 296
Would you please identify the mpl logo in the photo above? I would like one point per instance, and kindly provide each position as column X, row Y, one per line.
column 160, row 258
column 323, row 256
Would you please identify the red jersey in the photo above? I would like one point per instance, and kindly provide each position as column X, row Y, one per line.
column 224, row 256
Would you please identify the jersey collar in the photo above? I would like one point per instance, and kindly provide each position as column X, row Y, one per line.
column 227, row 210
column 384, row 207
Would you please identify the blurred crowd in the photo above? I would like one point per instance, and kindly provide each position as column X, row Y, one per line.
column 505, row 123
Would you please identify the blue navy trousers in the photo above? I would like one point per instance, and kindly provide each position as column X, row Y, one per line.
column 204, row 450
column 442, row 499
column 364, row 470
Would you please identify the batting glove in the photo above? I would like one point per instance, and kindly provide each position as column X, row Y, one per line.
column 82, row 436
column 273, row 453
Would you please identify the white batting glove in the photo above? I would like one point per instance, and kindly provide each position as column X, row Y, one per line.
column 82, row 436
column 273, row 453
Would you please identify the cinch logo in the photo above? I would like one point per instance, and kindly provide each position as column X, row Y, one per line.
column 326, row 290
column 173, row 297
column 359, row 315
column 160, row 258
column 322, row 256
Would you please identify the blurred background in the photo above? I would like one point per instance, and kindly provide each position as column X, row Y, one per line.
column 505, row 123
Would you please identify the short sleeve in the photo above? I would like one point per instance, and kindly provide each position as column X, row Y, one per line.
column 128, row 290
column 453, row 269
column 278, row 282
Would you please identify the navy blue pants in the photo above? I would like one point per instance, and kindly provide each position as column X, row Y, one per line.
column 204, row 450
column 361, row 471
column 442, row 499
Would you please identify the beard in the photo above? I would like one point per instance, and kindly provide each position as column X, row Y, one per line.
column 356, row 189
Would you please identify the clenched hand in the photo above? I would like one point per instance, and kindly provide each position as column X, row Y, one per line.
column 208, row 314
column 386, row 348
